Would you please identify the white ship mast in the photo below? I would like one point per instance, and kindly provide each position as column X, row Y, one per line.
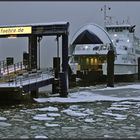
column 104, row 9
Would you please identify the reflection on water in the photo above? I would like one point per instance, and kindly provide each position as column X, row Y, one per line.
column 98, row 119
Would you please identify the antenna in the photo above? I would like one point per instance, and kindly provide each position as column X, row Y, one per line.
column 128, row 20
column 105, row 13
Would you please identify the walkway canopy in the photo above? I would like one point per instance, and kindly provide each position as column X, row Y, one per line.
column 90, row 34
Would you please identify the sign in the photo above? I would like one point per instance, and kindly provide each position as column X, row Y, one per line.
column 15, row 30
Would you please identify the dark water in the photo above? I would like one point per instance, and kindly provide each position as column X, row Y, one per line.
column 99, row 119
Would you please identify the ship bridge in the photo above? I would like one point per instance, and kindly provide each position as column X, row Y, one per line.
column 90, row 34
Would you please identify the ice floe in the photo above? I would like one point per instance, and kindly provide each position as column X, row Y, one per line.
column 133, row 86
column 4, row 124
column 117, row 116
column 88, row 111
column 138, row 115
column 74, row 113
column 89, row 120
column 24, row 137
column 43, row 117
column 3, row 119
column 92, row 96
column 118, row 108
column 51, row 125
column 40, row 137
column 34, row 127
column 120, row 105
column 85, row 97
column 50, row 108
column 74, row 107
column 53, row 114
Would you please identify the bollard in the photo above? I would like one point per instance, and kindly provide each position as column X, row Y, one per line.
column 110, row 68
column 63, row 84
column 56, row 66
column 26, row 59
column 9, row 61
column 55, row 86
column 139, row 68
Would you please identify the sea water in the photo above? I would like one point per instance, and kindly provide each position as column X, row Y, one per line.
column 88, row 112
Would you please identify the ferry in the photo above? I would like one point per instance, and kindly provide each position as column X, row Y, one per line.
column 89, row 60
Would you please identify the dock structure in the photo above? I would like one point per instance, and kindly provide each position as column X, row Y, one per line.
column 34, row 33
column 26, row 83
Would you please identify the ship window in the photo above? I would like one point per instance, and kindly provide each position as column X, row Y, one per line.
column 76, row 59
column 103, row 47
column 125, row 48
column 116, row 30
column 95, row 48
column 87, row 60
column 72, row 59
column 121, row 29
column 91, row 61
column 117, row 40
column 77, row 48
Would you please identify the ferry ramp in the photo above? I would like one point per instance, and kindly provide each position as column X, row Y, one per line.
column 29, row 81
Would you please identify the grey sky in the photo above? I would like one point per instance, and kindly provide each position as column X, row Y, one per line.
column 77, row 13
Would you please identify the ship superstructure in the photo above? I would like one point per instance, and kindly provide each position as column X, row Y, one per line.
column 91, row 59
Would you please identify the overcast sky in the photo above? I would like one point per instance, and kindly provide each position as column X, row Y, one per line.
column 76, row 13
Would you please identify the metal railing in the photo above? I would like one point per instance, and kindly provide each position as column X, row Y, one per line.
column 6, row 70
column 31, row 77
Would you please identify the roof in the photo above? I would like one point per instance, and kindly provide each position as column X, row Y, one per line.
column 87, row 37
column 94, row 33
column 119, row 25
column 20, row 30
column 36, row 24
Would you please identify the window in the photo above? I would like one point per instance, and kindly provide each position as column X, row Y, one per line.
column 95, row 48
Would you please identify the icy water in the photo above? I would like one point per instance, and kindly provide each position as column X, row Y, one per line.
column 92, row 112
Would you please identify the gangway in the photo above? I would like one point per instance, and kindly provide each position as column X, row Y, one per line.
column 29, row 81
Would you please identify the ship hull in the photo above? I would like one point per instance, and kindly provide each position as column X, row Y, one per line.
column 122, row 73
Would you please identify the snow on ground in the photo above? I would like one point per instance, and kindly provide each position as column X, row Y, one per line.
column 134, row 86
column 92, row 96
column 84, row 97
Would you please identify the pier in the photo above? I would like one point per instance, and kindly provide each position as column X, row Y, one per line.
column 27, row 77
